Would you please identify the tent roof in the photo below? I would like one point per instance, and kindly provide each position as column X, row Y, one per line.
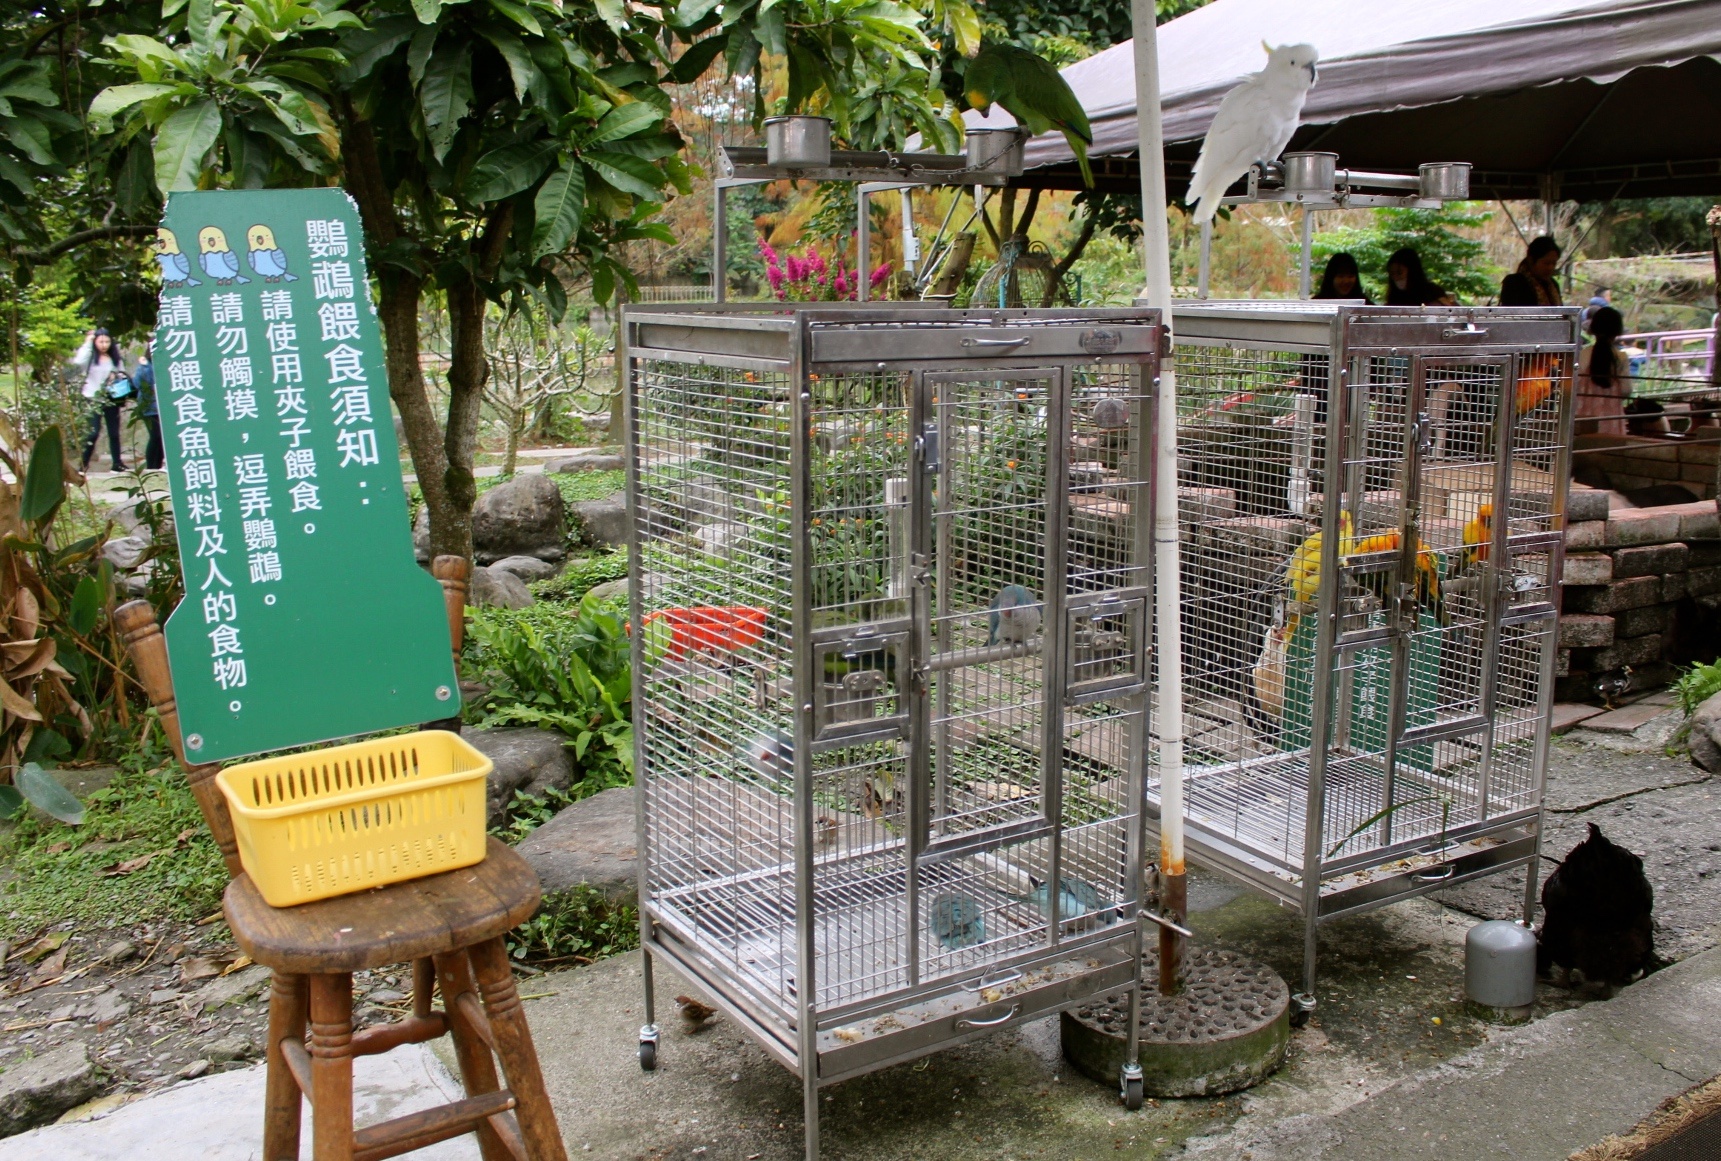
column 1615, row 98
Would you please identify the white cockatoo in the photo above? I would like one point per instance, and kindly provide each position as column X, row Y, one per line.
column 1254, row 123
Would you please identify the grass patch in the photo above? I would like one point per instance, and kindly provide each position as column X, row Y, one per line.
column 578, row 925
column 70, row 871
column 581, row 575
column 578, row 486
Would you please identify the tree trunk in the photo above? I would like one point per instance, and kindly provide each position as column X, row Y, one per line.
column 402, row 292
column 468, row 368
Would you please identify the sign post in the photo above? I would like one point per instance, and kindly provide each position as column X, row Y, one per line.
column 305, row 615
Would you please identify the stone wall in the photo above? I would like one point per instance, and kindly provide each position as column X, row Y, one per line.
column 1641, row 590
column 1629, row 463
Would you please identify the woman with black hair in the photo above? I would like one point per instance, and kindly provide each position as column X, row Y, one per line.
column 106, row 386
column 1408, row 285
column 1342, row 279
column 1603, row 379
column 1533, row 283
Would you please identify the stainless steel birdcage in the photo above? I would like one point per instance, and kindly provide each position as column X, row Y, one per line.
column 890, row 584
column 1371, row 513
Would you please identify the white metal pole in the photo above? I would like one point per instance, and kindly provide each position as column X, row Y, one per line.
column 1168, row 717
column 720, row 244
column 1204, row 274
column 863, row 243
column 1308, row 253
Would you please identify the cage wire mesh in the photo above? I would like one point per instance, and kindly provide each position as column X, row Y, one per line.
column 1366, row 686
column 890, row 580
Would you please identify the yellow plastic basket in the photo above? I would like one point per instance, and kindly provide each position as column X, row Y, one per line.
column 352, row 817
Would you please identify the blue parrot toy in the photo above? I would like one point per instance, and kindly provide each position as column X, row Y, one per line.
column 957, row 921
column 1076, row 898
column 217, row 257
column 1015, row 616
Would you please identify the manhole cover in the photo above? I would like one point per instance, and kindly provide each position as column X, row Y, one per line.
column 1226, row 1030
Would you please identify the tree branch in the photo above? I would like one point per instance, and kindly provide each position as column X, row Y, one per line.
column 73, row 241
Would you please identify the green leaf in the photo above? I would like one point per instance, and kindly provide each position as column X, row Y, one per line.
column 520, row 66
column 446, row 95
column 691, row 65
column 624, row 121
column 504, row 172
column 32, row 137
column 86, row 606
column 559, row 206
column 181, row 144
column 366, row 49
column 113, row 100
column 200, row 21
column 11, row 802
column 427, row 10
column 628, row 174
column 614, row 14
column 691, row 12
column 43, row 792
column 44, row 478
column 519, row 14
column 47, row 745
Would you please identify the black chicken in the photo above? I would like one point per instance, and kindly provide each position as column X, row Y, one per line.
column 1597, row 926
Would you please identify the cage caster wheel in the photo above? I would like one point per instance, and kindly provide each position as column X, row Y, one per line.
column 1132, row 1087
column 648, row 1048
column 1302, row 1007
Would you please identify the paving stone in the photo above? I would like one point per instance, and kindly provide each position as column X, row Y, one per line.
column 1703, row 582
column 1639, row 622
column 1586, row 630
column 1587, row 568
column 1567, row 714
column 1586, row 503
column 1630, row 526
column 1628, row 651
column 233, row 989
column 1586, row 534
column 1649, row 560
column 39, row 1089
column 1625, row 720
column 1617, row 595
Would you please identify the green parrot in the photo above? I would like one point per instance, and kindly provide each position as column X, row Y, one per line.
column 1030, row 89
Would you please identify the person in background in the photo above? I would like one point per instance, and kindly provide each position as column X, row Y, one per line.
column 143, row 382
column 1342, row 279
column 1408, row 285
column 106, row 386
column 1602, row 297
column 1533, row 283
column 1603, row 382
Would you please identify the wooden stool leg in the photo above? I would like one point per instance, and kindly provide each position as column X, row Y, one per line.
column 477, row 1066
column 519, row 1056
column 332, row 1067
column 281, row 1101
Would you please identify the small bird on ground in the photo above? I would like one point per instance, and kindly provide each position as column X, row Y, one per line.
column 1599, row 927
column 1254, row 123
column 957, row 920
column 1611, row 685
column 267, row 258
column 175, row 266
column 1015, row 616
column 694, row 1012
column 1076, row 898
column 217, row 257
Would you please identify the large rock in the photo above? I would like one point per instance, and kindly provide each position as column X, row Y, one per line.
column 586, row 461
column 592, row 842
column 603, row 523
column 125, row 552
column 526, row 759
column 524, row 517
column 39, row 1089
column 1705, row 740
column 493, row 587
column 527, row 568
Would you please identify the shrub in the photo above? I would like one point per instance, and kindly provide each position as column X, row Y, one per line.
column 1697, row 685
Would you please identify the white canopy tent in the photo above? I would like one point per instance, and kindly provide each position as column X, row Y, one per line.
column 1587, row 99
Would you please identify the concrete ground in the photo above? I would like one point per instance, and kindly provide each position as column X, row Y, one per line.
column 1392, row 1067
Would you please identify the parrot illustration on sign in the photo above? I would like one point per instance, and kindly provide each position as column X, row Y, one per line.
column 267, row 260
column 217, row 257
column 175, row 266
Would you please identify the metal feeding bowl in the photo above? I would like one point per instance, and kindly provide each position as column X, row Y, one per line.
column 1446, row 180
column 999, row 150
column 1311, row 173
column 798, row 141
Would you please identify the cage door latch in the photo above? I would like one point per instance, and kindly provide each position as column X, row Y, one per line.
column 928, row 446
column 1423, row 433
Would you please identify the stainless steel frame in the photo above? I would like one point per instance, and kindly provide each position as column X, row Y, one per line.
column 870, row 824
column 1368, row 682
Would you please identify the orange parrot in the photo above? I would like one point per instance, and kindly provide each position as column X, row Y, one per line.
column 1479, row 535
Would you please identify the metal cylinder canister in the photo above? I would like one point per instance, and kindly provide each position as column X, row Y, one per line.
column 1500, row 967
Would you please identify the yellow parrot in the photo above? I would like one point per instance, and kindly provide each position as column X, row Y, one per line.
column 217, row 257
column 1479, row 535
column 1303, row 573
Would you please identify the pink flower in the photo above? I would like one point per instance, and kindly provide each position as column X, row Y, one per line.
column 816, row 262
column 880, row 273
column 842, row 286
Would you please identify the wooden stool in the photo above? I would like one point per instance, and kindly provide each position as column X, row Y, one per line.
column 448, row 926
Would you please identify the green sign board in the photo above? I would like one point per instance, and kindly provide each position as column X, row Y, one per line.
column 305, row 615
